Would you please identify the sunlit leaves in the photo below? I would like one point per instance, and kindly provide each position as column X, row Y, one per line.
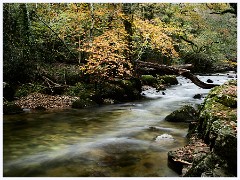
column 157, row 35
column 97, row 33
column 107, row 58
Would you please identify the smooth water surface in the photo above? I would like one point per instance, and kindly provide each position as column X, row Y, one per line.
column 114, row 140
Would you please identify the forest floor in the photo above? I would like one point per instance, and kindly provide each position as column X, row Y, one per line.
column 44, row 101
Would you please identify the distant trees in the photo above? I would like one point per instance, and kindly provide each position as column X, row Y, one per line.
column 106, row 39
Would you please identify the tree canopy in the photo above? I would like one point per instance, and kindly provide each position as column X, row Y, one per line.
column 105, row 40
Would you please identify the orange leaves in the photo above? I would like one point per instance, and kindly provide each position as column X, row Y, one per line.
column 107, row 56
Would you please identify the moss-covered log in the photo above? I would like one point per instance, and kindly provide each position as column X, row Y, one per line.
column 154, row 68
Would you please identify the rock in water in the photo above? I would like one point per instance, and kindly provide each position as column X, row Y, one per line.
column 185, row 114
column 197, row 96
column 164, row 137
column 210, row 81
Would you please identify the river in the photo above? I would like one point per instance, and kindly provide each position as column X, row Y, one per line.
column 107, row 141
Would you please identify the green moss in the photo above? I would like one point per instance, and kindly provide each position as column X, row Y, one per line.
column 225, row 146
column 148, row 80
column 206, row 163
column 231, row 82
column 185, row 114
column 131, row 88
column 126, row 84
column 81, row 90
column 217, row 125
column 168, row 79
column 112, row 91
column 214, row 111
column 29, row 88
column 225, row 94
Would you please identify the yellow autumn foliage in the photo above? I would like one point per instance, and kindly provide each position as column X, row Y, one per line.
column 158, row 35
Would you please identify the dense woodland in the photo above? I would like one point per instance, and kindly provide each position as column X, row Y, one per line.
column 54, row 48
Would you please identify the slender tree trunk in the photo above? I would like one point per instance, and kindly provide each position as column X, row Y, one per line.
column 128, row 25
column 79, row 53
column 127, row 21
column 92, row 24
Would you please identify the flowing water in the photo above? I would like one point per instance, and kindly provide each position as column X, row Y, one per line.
column 113, row 140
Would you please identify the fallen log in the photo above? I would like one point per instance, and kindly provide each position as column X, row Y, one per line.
column 184, row 66
column 197, row 81
column 164, row 69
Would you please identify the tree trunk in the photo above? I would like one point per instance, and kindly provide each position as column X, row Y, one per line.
column 92, row 24
column 128, row 25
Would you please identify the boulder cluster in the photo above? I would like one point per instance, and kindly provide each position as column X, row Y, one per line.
column 212, row 148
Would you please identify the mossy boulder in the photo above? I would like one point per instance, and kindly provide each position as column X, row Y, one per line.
column 117, row 90
column 149, row 80
column 168, row 79
column 159, row 82
column 184, row 114
column 132, row 88
column 217, row 127
column 112, row 91
column 11, row 108
column 121, row 89
column 219, row 112
column 209, row 165
column 218, row 123
column 225, row 94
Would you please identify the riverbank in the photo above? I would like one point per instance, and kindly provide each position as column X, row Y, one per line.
column 212, row 148
column 83, row 95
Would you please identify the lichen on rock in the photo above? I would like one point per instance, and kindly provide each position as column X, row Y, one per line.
column 217, row 127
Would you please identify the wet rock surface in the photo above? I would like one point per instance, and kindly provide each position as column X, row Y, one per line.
column 185, row 156
column 164, row 137
column 197, row 96
column 185, row 114
column 212, row 150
